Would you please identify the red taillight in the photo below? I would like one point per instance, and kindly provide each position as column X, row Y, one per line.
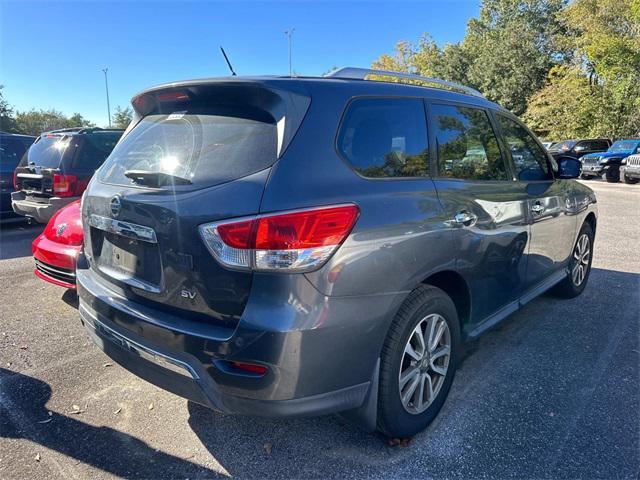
column 301, row 240
column 307, row 229
column 250, row 367
column 238, row 234
column 64, row 185
column 15, row 180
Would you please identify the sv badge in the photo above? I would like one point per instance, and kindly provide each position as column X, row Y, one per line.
column 188, row 294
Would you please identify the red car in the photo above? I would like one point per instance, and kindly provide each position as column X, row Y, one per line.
column 56, row 248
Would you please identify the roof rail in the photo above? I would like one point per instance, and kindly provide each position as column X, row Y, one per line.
column 64, row 130
column 355, row 73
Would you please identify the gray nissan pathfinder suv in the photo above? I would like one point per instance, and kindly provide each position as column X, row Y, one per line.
column 299, row 246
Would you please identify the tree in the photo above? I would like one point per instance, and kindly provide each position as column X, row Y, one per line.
column 7, row 121
column 598, row 92
column 122, row 117
column 77, row 120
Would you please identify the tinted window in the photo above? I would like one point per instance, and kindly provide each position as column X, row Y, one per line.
column 386, row 137
column 467, row 145
column 49, row 151
column 600, row 146
column 11, row 151
column 529, row 158
column 624, row 145
column 206, row 149
column 93, row 149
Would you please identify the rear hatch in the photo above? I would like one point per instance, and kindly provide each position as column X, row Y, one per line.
column 46, row 157
column 199, row 152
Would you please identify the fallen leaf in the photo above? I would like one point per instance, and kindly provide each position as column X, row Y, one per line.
column 76, row 410
column 150, row 406
column 46, row 421
column 37, row 457
column 108, row 365
column 117, row 411
column 23, row 347
column 8, row 364
column 267, row 448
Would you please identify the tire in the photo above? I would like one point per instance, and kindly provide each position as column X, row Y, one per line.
column 425, row 306
column 570, row 287
column 585, row 177
column 629, row 181
column 612, row 175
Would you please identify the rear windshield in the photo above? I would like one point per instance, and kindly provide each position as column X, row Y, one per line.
column 205, row 149
column 48, row 151
column 11, row 152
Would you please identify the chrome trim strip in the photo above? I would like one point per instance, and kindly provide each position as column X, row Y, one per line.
column 49, row 269
column 125, row 229
column 95, row 327
column 37, row 176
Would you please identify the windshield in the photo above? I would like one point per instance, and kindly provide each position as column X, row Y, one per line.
column 623, row 145
column 564, row 145
column 205, row 149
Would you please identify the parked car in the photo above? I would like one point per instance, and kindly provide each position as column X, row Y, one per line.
column 630, row 169
column 578, row 148
column 57, row 169
column 608, row 163
column 301, row 246
column 12, row 148
column 55, row 250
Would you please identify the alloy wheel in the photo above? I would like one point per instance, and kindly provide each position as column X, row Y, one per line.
column 425, row 362
column 581, row 257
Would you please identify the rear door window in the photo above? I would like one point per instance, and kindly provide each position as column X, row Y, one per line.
column 206, row 149
column 93, row 149
column 466, row 143
column 529, row 158
column 385, row 137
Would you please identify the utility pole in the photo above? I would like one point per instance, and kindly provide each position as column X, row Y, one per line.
column 289, row 34
column 106, row 86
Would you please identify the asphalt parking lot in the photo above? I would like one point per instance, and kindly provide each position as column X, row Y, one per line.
column 554, row 392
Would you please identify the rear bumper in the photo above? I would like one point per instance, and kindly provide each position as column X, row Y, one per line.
column 316, row 364
column 55, row 262
column 41, row 210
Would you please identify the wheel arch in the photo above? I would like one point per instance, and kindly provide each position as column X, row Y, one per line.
column 454, row 285
column 591, row 220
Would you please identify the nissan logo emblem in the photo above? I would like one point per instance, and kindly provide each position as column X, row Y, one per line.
column 115, row 206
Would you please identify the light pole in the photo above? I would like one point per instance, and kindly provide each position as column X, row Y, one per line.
column 289, row 34
column 106, row 86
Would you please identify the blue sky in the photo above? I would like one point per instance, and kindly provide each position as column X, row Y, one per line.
column 52, row 53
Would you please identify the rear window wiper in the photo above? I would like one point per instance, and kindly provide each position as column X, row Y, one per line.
column 155, row 179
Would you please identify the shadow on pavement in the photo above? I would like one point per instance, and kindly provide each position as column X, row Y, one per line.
column 16, row 238
column 22, row 405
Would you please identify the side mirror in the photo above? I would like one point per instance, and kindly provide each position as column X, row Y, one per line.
column 638, row 150
column 569, row 167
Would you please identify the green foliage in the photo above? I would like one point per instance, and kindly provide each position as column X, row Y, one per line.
column 34, row 122
column 122, row 117
column 7, row 122
column 572, row 69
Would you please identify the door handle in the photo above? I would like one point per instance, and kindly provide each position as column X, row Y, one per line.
column 465, row 218
column 537, row 208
